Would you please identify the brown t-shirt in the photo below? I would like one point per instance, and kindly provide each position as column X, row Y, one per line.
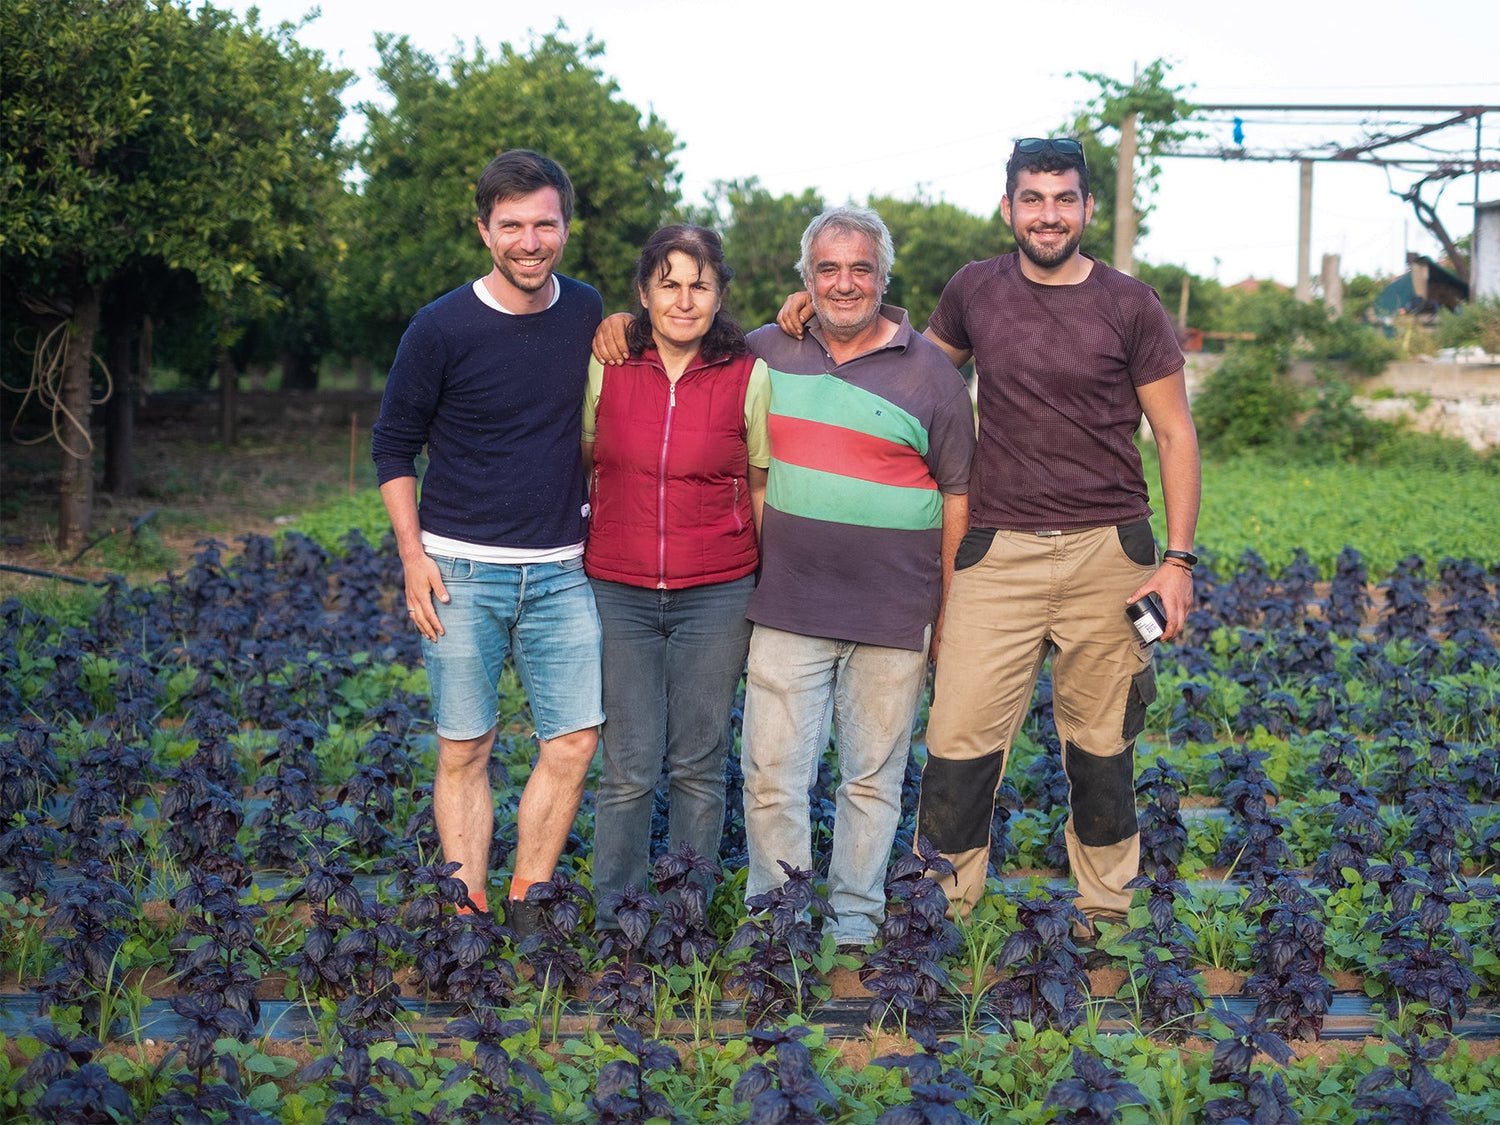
column 1057, row 367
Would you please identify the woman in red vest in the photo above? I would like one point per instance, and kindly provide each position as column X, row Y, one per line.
column 677, row 440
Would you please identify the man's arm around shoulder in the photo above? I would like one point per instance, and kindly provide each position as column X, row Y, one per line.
column 956, row 356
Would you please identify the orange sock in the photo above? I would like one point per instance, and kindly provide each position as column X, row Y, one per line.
column 519, row 886
column 479, row 900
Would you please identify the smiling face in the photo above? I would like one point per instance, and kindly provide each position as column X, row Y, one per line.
column 846, row 286
column 682, row 303
column 525, row 235
column 1047, row 214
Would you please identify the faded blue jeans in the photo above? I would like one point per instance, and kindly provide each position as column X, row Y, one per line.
column 672, row 662
column 871, row 693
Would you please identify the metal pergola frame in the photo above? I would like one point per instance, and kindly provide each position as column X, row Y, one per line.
column 1444, row 166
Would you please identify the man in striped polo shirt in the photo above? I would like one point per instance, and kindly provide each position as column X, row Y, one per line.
column 872, row 432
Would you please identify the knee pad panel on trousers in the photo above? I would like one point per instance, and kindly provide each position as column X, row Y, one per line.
column 1140, row 695
column 1103, row 795
column 958, row 801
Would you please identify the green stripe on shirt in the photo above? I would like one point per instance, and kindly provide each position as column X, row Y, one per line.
column 840, row 499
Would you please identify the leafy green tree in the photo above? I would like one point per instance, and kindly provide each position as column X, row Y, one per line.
column 413, row 236
column 1206, row 297
column 1360, row 292
column 934, row 240
column 144, row 136
column 762, row 242
column 1161, row 124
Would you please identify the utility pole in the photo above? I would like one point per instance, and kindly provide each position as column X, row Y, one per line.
column 1125, row 198
column 1304, row 235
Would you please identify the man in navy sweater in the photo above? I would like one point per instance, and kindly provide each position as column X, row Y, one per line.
column 490, row 378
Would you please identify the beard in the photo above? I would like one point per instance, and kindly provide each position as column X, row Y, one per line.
column 526, row 284
column 846, row 324
column 1047, row 255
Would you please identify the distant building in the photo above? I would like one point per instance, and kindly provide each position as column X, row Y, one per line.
column 1253, row 285
column 1424, row 288
column 1484, row 272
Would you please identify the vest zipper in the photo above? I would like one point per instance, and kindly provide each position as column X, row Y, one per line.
column 739, row 524
column 661, row 491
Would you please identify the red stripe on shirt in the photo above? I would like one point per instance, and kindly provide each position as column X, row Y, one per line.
column 847, row 453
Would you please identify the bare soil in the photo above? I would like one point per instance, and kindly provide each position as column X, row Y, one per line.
column 293, row 453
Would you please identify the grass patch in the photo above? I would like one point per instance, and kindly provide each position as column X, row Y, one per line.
column 1260, row 501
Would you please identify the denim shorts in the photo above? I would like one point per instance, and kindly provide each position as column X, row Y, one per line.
column 542, row 615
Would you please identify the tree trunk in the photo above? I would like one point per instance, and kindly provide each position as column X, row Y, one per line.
column 362, row 373
column 76, row 495
column 298, row 372
column 229, row 399
column 147, row 349
column 119, row 442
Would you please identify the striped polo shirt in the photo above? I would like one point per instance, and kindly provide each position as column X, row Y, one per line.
column 861, row 453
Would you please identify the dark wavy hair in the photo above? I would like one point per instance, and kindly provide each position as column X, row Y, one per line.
column 520, row 172
column 1045, row 161
column 725, row 336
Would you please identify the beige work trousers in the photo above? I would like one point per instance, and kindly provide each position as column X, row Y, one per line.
column 1014, row 602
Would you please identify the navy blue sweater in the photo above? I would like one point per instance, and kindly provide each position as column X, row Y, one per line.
column 498, row 401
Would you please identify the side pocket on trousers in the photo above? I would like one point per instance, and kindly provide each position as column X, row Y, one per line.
column 973, row 547
column 1137, row 542
column 1140, row 696
column 452, row 569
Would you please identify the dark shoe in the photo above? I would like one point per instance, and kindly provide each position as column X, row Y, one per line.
column 524, row 919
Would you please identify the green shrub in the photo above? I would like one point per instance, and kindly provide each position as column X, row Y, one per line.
column 1361, row 348
column 1334, row 429
column 1247, row 402
column 133, row 552
column 1477, row 323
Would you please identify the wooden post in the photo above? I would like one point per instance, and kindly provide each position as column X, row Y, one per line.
column 1125, row 220
column 1304, row 234
column 1182, row 305
column 353, row 445
column 1333, row 285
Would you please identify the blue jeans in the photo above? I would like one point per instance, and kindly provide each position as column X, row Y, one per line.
column 543, row 616
column 872, row 693
column 672, row 662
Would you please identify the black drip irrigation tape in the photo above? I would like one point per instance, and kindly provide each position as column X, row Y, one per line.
column 1351, row 1016
column 35, row 573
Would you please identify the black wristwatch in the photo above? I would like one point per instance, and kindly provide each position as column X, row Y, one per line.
column 1182, row 556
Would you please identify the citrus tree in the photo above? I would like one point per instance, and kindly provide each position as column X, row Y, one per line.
column 143, row 138
column 413, row 236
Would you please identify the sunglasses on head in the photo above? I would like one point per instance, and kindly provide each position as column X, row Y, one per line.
column 1063, row 146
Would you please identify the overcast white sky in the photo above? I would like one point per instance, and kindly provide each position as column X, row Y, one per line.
column 884, row 97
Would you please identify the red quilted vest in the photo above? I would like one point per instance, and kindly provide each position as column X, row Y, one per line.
column 670, row 497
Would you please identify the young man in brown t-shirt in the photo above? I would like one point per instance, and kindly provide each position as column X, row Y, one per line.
column 1068, row 355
